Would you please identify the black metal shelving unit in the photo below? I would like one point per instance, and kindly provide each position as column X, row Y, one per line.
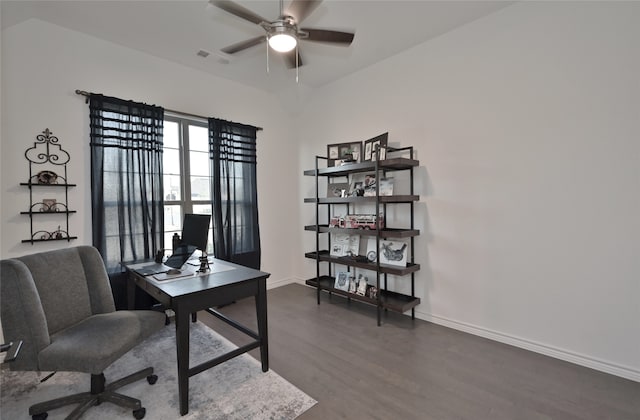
column 45, row 156
column 386, row 299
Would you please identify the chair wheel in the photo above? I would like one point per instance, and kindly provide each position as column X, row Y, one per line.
column 152, row 379
column 40, row 416
column 139, row 413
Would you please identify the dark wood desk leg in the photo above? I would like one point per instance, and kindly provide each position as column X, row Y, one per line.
column 261, row 311
column 131, row 291
column 182, row 347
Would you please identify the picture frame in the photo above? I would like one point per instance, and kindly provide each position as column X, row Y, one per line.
column 370, row 147
column 338, row 189
column 393, row 252
column 344, row 244
column 342, row 281
column 362, row 285
column 386, row 186
column 363, row 184
column 344, row 153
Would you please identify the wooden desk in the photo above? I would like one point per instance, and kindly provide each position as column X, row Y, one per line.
column 187, row 295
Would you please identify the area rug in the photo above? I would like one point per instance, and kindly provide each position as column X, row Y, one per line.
column 236, row 389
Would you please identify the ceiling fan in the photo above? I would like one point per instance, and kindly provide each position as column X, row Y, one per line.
column 283, row 34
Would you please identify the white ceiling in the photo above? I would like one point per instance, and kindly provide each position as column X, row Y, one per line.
column 177, row 30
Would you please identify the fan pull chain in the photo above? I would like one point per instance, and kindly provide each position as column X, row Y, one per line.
column 267, row 43
column 297, row 67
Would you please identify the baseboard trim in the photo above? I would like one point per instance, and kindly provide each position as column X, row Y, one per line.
column 557, row 353
column 272, row 284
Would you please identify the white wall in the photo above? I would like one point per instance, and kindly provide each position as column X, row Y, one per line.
column 43, row 64
column 526, row 125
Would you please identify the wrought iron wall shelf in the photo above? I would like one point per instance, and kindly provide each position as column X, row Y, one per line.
column 46, row 159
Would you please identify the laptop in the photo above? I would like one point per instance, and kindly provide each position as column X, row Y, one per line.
column 180, row 256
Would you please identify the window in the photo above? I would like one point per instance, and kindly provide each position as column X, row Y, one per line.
column 186, row 174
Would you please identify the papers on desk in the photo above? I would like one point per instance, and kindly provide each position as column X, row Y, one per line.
column 215, row 267
column 165, row 276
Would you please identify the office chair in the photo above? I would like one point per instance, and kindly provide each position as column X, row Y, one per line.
column 60, row 304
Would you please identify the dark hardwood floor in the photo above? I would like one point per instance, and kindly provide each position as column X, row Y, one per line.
column 418, row 370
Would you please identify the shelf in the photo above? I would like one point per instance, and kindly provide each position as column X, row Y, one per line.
column 49, row 212
column 49, row 240
column 29, row 184
column 384, row 268
column 363, row 200
column 384, row 233
column 394, row 164
column 393, row 301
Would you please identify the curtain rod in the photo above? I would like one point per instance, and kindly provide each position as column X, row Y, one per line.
column 87, row 94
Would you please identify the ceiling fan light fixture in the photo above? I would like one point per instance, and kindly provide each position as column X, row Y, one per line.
column 282, row 42
column 282, row 37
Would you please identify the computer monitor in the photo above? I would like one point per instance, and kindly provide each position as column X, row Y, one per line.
column 195, row 230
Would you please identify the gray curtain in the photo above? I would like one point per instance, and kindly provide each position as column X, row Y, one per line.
column 236, row 234
column 126, row 183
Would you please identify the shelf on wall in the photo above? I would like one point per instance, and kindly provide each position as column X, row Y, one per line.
column 393, row 164
column 363, row 200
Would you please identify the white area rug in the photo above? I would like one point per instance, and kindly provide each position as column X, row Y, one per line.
column 236, row 389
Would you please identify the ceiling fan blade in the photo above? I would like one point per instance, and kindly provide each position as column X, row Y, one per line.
column 322, row 35
column 290, row 59
column 237, row 10
column 300, row 9
column 231, row 49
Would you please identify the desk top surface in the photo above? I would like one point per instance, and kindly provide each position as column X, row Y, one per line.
column 198, row 282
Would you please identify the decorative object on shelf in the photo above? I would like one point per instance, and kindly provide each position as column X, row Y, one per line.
column 43, row 235
column 353, row 285
column 338, row 189
column 49, row 205
column 344, row 244
column 386, row 187
column 362, row 285
column 370, row 147
column 363, row 184
column 372, row 292
column 357, row 221
column 341, row 153
column 342, row 281
column 47, row 177
column 393, row 253
column 48, row 170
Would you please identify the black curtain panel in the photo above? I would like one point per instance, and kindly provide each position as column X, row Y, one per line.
column 126, row 183
column 236, row 235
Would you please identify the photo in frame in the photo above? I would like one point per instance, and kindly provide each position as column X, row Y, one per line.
column 393, row 252
column 386, row 186
column 343, row 245
column 344, row 153
column 342, row 281
column 370, row 147
column 363, row 184
column 338, row 189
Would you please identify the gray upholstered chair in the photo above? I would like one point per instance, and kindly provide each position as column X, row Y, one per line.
column 59, row 303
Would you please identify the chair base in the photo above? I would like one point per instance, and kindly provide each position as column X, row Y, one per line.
column 99, row 394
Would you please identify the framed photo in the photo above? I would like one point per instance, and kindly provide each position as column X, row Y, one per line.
column 48, row 205
column 370, row 147
column 372, row 253
column 341, row 153
column 362, row 285
column 363, row 184
column 393, row 253
column 386, row 186
column 343, row 244
column 342, row 281
column 338, row 189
